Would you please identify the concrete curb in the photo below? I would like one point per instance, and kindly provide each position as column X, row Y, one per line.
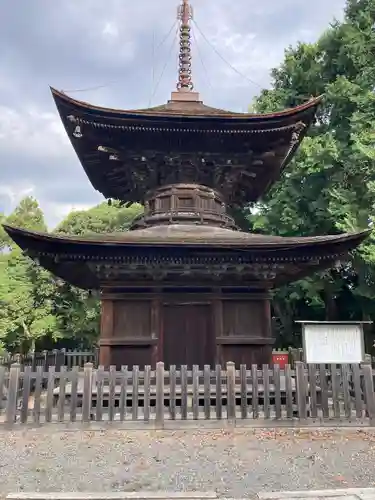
column 121, row 495
column 356, row 493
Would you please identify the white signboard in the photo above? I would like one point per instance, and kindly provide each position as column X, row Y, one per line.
column 333, row 343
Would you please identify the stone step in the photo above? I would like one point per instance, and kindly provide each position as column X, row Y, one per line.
column 121, row 495
column 337, row 494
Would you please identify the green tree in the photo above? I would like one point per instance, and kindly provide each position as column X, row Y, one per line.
column 78, row 310
column 101, row 219
column 27, row 215
column 26, row 296
column 329, row 187
column 26, row 290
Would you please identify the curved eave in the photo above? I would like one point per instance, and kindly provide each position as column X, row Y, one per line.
column 215, row 131
column 71, row 258
column 53, row 244
column 161, row 113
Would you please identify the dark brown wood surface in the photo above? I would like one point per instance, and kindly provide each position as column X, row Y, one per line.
column 181, row 326
column 188, row 334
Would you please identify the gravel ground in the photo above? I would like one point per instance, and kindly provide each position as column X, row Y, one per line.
column 236, row 463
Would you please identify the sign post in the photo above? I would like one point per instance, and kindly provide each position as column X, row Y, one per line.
column 333, row 342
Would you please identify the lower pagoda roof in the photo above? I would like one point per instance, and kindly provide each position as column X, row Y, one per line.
column 183, row 252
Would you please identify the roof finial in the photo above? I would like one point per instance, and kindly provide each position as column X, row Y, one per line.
column 185, row 14
column 185, row 85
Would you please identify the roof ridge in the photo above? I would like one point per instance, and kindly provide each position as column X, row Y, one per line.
column 313, row 102
column 197, row 240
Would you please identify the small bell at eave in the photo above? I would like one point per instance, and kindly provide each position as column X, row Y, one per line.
column 109, row 201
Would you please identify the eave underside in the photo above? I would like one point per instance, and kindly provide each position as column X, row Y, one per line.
column 239, row 155
column 94, row 274
column 125, row 166
column 88, row 264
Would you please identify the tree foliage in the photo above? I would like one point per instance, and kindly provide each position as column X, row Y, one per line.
column 26, row 290
column 38, row 309
column 329, row 187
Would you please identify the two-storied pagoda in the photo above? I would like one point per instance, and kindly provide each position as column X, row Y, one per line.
column 184, row 285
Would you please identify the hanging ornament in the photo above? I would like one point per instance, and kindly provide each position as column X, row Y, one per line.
column 77, row 132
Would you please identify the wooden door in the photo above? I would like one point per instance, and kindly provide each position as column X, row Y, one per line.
column 188, row 337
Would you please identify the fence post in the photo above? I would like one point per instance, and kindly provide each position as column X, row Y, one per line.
column 63, row 357
column 159, row 417
column 87, row 392
column 231, row 392
column 3, row 374
column 96, row 357
column 11, row 408
column 55, row 361
column 369, row 392
column 45, row 362
column 33, row 361
column 301, row 390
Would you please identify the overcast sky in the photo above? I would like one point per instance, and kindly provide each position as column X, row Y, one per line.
column 81, row 44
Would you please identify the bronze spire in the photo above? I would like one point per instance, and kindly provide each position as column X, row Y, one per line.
column 185, row 14
column 185, row 84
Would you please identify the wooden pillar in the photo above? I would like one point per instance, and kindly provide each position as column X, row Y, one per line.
column 156, row 331
column 106, row 330
column 267, row 327
column 267, row 317
column 218, row 323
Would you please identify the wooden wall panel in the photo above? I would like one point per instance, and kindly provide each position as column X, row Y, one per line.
column 188, row 334
column 248, row 354
column 131, row 355
column 132, row 318
column 185, row 327
column 106, row 319
column 243, row 318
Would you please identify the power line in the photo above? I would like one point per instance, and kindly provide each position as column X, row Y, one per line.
column 166, row 36
column 165, row 65
column 113, row 82
column 154, row 50
column 153, row 65
column 201, row 60
column 253, row 82
column 88, row 89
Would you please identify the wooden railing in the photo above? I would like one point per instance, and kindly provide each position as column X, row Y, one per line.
column 342, row 394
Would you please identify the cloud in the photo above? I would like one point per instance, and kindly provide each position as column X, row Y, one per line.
column 114, row 48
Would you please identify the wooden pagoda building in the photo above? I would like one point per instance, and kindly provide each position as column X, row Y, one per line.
column 184, row 285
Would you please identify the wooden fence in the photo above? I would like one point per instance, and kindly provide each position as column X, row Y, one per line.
column 56, row 358
column 314, row 394
column 71, row 358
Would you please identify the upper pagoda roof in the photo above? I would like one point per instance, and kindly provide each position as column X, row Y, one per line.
column 126, row 153
column 186, row 109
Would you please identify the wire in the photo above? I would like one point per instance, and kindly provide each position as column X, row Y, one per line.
column 108, row 84
column 223, row 58
column 201, row 59
column 153, row 67
column 167, row 35
column 253, row 82
column 165, row 65
column 88, row 89
column 154, row 50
